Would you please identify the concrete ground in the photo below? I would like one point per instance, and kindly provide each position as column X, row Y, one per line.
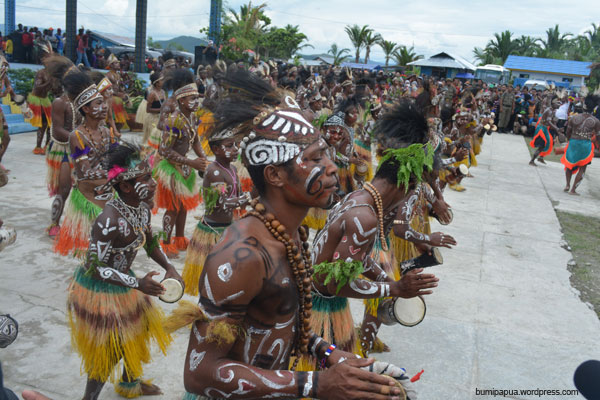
column 503, row 317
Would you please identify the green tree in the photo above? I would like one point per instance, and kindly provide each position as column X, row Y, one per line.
column 371, row 38
column 282, row 42
column 357, row 35
column 501, row 46
column 151, row 43
column 404, row 55
column 339, row 55
column 555, row 43
column 388, row 48
column 527, row 46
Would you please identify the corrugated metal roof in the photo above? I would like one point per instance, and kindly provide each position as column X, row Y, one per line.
column 549, row 65
column 444, row 60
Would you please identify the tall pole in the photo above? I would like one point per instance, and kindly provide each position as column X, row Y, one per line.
column 141, row 12
column 9, row 17
column 214, row 25
column 71, row 29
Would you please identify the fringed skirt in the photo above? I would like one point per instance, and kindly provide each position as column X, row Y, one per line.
column 578, row 153
column 118, row 110
column 56, row 155
column 155, row 136
column 109, row 323
column 203, row 240
column 174, row 191
column 316, row 218
column 150, row 124
column 80, row 214
column 542, row 139
column 40, row 106
column 141, row 113
column 387, row 261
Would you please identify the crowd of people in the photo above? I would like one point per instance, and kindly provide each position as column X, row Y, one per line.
column 277, row 154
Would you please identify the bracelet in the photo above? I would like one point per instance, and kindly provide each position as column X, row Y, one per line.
column 327, row 354
column 399, row 222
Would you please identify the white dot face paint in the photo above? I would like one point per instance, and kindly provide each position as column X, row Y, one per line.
column 225, row 272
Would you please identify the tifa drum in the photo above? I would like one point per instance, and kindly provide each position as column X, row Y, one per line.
column 406, row 312
column 173, row 290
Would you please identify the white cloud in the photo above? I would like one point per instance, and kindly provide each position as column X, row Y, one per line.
column 431, row 25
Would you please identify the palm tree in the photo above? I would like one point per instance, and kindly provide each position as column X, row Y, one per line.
column 250, row 18
column 501, row 46
column 527, row 46
column 339, row 55
column 357, row 35
column 371, row 38
column 404, row 55
column 593, row 35
column 484, row 56
column 388, row 48
column 555, row 43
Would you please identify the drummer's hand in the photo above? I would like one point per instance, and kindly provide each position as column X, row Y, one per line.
column 439, row 239
column 413, row 284
column 423, row 248
column 172, row 273
column 399, row 374
column 347, row 380
column 461, row 154
column 149, row 286
column 440, row 207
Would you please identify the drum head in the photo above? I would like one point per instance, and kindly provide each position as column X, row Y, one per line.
column 437, row 255
column 451, row 218
column 409, row 312
column 173, row 290
column 463, row 169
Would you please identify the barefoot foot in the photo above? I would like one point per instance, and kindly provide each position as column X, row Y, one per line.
column 566, row 189
column 541, row 160
column 532, row 163
column 573, row 193
column 33, row 395
column 149, row 389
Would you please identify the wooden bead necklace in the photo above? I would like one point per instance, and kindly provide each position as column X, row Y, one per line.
column 301, row 268
column 379, row 207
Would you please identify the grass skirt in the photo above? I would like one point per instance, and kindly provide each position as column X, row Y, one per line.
column 56, row 155
column 387, row 261
column 363, row 150
column 244, row 176
column 207, row 123
column 141, row 113
column 119, row 110
column 109, row 323
column 173, row 190
column 150, row 124
column 316, row 218
column 154, row 136
column 203, row 240
column 542, row 139
column 578, row 153
column 80, row 214
column 39, row 106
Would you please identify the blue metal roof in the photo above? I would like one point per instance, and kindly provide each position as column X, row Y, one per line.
column 548, row 65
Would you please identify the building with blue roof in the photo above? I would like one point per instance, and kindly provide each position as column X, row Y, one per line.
column 565, row 73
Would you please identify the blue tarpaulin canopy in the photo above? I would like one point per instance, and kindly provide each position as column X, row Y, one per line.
column 465, row 75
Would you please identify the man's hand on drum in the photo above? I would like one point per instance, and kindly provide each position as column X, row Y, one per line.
column 441, row 208
column 439, row 239
column 413, row 284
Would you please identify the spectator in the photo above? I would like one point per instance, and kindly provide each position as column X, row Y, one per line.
column 16, row 37
column 91, row 48
column 59, row 42
column 27, row 41
column 210, row 53
column 82, row 45
column 8, row 48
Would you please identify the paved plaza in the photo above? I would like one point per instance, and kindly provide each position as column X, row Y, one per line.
column 503, row 317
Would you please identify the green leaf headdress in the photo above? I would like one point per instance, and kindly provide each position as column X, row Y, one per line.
column 411, row 160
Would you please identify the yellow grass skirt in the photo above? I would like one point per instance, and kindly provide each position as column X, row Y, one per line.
column 109, row 323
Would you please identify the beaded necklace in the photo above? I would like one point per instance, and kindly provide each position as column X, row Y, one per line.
column 301, row 268
column 379, row 207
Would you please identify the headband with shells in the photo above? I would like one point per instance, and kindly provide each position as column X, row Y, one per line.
column 88, row 95
column 187, row 90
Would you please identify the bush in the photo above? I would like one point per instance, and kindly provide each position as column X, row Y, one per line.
column 22, row 80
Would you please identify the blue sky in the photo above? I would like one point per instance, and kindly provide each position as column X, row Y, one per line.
column 430, row 25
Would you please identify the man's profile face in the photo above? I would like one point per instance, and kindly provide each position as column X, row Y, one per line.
column 313, row 181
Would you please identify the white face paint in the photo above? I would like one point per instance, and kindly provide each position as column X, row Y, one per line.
column 142, row 190
column 225, row 272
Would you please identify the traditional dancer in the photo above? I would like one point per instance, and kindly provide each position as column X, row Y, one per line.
column 177, row 189
column 156, row 98
column 255, row 297
column 173, row 81
column 105, row 88
column 5, row 89
column 40, row 104
column 222, row 194
column 542, row 141
column 119, row 94
column 111, row 314
column 582, row 129
column 64, row 121
column 361, row 222
column 88, row 142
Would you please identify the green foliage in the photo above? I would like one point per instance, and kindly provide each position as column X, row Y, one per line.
column 342, row 272
column 22, row 80
column 339, row 55
column 282, row 42
column 318, row 122
column 404, row 55
column 388, row 48
column 210, row 197
column 154, row 242
column 151, row 43
column 411, row 161
column 358, row 35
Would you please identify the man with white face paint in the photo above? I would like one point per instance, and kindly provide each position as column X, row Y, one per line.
column 177, row 189
column 255, row 289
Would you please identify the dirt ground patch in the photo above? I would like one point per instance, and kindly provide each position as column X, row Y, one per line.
column 583, row 235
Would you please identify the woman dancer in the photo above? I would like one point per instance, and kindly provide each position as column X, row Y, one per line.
column 64, row 121
column 177, row 189
column 111, row 314
column 542, row 140
column 119, row 95
column 156, row 98
column 88, row 142
column 40, row 104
